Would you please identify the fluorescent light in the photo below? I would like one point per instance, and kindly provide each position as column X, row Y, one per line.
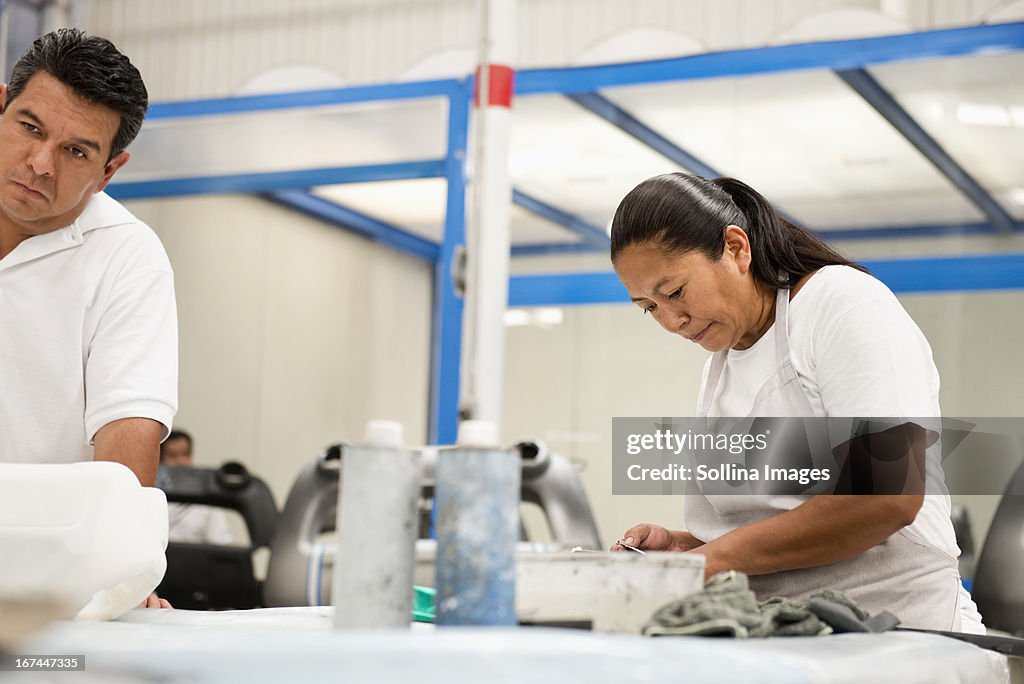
column 516, row 317
column 548, row 316
column 554, row 155
column 542, row 317
column 934, row 110
column 983, row 114
column 1017, row 196
column 1017, row 114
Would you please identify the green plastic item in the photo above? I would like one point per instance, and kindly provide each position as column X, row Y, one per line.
column 423, row 604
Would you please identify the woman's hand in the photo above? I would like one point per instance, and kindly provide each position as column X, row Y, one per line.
column 154, row 601
column 649, row 537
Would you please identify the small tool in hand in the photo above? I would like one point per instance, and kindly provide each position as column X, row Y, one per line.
column 626, row 546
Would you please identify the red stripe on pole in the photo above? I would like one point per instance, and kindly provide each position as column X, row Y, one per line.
column 501, row 85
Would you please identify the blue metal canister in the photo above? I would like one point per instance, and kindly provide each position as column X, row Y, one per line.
column 477, row 503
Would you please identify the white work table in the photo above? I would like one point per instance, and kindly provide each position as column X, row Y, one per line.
column 299, row 644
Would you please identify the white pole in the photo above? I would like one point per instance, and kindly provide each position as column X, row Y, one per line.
column 487, row 240
column 4, row 9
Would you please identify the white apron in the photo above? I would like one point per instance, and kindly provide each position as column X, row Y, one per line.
column 905, row 575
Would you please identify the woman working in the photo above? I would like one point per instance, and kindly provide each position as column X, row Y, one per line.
column 796, row 330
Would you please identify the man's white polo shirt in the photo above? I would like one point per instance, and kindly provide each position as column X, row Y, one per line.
column 88, row 335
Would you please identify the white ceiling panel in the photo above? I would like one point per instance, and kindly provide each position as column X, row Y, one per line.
column 974, row 108
column 417, row 206
column 808, row 143
column 527, row 228
column 567, row 157
column 290, row 139
column 804, row 139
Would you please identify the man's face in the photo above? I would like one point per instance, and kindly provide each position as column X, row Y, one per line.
column 54, row 149
column 176, row 452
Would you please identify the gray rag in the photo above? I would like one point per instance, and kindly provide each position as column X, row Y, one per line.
column 727, row 607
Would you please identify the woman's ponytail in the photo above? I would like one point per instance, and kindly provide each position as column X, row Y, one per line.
column 777, row 246
column 680, row 213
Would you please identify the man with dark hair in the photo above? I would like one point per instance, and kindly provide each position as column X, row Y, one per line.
column 176, row 450
column 191, row 523
column 88, row 328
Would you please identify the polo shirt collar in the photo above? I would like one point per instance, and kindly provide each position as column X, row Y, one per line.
column 101, row 212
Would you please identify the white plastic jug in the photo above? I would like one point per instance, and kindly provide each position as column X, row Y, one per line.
column 86, row 536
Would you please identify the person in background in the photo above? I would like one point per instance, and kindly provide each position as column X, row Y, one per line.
column 88, row 324
column 796, row 330
column 191, row 523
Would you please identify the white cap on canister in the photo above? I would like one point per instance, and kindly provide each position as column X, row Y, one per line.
column 384, row 433
column 478, row 433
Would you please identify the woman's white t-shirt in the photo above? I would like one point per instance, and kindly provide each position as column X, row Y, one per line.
column 857, row 353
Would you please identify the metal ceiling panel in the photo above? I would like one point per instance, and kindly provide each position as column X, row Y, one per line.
column 277, row 140
column 808, row 143
column 974, row 108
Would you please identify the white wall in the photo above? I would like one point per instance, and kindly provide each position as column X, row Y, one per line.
column 292, row 333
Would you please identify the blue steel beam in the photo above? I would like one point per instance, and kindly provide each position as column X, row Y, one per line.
column 918, row 231
column 886, row 105
column 902, row 276
column 831, row 235
column 275, row 180
column 556, row 248
column 248, row 104
column 620, row 118
column 566, row 289
column 360, row 223
column 446, row 332
column 838, row 54
column 626, row 122
column 951, row 274
column 589, row 232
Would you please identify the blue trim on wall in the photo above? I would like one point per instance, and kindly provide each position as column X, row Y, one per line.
column 247, row 104
column 275, row 180
column 367, row 226
column 902, row 276
column 446, row 332
column 589, row 232
column 838, row 54
column 886, row 105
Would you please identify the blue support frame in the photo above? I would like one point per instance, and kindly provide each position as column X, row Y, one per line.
column 446, row 333
column 833, row 55
column 913, row 231
column 629, row 124
column 831, row 235
column 551, row 248
column 589, row 232
column 370, row 227
column 886, row 105
column 275, row 180
column 989, row 272
column 183, row 109
column 626, row 122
